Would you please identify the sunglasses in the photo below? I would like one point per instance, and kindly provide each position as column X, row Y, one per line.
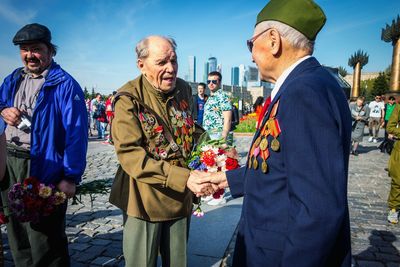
column 212, row 81
column 250, row 42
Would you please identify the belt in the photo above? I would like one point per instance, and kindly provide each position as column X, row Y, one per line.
column 18, row 153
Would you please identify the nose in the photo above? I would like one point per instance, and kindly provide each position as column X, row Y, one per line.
column 170, row 67
column 30, row 54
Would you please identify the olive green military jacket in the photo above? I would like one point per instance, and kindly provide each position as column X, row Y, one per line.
column 392, row 128
column 157, row 188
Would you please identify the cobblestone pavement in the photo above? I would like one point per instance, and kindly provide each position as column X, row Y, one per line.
column 95, row 232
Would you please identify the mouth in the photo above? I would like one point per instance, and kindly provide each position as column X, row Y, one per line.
column 169, row 79
column 32, row 61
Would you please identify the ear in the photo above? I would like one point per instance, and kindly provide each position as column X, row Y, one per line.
column 140, row 64
column 275, row 41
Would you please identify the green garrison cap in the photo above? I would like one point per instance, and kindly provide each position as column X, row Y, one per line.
column 303, row 15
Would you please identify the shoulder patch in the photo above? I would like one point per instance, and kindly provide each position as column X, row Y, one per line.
column 77, row 97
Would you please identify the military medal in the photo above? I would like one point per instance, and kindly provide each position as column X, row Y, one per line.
column 255, row 163
column 250, row 162
column 264, row 166
column 257, row 141
column 264, row 144
column 275, row 145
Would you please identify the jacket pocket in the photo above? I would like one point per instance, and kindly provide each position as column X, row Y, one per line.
column 269, row 239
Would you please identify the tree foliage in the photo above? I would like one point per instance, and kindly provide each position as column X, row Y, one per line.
column 86, row 93
column 342, row 71
column 359, row 56
column 381, row 86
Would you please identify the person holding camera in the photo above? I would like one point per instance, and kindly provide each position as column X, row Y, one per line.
column 46, row 133
column 359, row 115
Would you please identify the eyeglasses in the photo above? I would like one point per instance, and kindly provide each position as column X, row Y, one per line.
column 250, row 42
column 212, row 81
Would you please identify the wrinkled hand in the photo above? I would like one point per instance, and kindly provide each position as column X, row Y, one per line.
column 216, row 180
column 12, row 116
column 67, row 187
column 219, row 178
column 200, row 186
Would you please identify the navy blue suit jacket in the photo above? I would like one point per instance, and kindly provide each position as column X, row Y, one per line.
column 296, row 214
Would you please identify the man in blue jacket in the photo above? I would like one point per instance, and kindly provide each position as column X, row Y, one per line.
column 295, row 209
column 44, row 109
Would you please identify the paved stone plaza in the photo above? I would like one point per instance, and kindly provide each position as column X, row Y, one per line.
column 95, row 232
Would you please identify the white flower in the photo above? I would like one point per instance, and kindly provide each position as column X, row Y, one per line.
column 221, row 160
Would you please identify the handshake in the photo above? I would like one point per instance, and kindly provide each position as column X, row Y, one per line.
column 206, row 183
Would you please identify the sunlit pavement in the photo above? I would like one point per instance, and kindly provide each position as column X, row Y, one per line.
column 95, row 232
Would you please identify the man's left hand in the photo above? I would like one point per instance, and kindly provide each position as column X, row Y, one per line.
column 67, row 187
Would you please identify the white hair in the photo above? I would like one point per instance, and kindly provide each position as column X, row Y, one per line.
column 293, row 36
column 142, row 47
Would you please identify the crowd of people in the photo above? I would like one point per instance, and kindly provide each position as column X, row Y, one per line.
column 376, row 115
column 294, row 182
column 100, row 115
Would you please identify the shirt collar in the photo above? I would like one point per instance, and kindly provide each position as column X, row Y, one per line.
column 284, row 75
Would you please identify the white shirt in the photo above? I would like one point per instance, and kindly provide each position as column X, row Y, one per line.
column 284, row 75
column 376, row 109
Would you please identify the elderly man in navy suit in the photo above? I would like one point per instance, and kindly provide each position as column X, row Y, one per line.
column 295, row 210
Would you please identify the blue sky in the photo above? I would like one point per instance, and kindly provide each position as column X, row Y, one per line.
column 96, row 38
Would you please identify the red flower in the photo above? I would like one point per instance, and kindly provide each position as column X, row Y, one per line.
column 3, row 218
column 219, row 193
column 32, row 183
column 231, row 164
column 208, row 158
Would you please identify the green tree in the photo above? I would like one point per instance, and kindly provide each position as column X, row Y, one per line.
column 93, row 95
column 381, row 85
column 342, row 71
column 86, row 93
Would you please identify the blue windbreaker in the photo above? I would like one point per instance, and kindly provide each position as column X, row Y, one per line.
column 59, row 135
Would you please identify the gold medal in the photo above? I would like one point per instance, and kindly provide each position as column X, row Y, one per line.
column 178, row 141
column 249, row 163
column 257, row 142
column 275, row 145
column 264, row 167
column 264, row 144
column 255, row 163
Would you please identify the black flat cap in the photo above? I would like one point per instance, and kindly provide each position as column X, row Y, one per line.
column 32, row 33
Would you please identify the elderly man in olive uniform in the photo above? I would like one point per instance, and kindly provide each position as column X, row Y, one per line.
column 295, row 210
column 153, row 135
column 46, row 133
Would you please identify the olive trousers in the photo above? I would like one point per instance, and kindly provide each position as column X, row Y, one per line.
column 394, row 173
column 143, row 240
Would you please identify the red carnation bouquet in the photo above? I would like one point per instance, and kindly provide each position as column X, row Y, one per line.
column 213, row 156
column 30, row 200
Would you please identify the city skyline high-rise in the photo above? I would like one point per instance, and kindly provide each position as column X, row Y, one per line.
column 205, row 74
column 235, row 76
column 212, row 64
column 192, row 69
